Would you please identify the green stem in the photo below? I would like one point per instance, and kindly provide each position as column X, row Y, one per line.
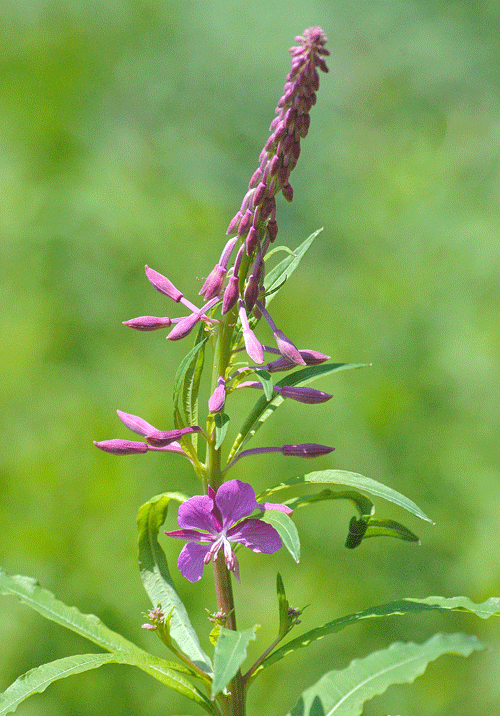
column 234, row 703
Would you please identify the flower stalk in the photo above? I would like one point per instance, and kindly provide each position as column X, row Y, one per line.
column 234, row 301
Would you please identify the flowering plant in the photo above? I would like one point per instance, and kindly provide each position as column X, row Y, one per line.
column 227, row 514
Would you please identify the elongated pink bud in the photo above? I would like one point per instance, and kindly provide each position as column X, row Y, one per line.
column 306, row 450
column 121, row 447
column 184, row 327
column 252, row 345
column 148, row 323
column 136, row 424
column 309, row 357
column 163, row 285
column 301, row 394
column 161, row 438
column 218, row 397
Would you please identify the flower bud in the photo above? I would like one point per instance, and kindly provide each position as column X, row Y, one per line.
column 306, row 450
column 163, row 285
column 121, row 447
column 148, row 323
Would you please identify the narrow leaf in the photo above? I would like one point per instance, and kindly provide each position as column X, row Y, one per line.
column 87, row 625
column 264, row 408
column 286, row 267
column 267, row 382
column 36, row 680
column 158, row 582
column 286, row 529
column 343, row 693
column 363, row 504
column 221, row 421
column 230, row 653
column 352, row 479
column 187, row 378
column 489, row 608
column 191, row 382
column 283, row 604
column 389, row 528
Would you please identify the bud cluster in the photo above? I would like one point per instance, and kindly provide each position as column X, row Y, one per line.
column 255, row 222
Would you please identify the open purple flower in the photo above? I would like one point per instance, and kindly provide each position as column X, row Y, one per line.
column 211, row 522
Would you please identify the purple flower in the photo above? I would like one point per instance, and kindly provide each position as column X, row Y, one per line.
column 211, row 522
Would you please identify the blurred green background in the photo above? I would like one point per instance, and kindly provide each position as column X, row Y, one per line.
column 128, row 133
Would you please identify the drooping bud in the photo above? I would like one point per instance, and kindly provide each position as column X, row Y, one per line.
column 148, row 323
column 285, row 345
column 121, row 447
column 252, row 345
column 218, row 397
column 215, row 279
column 306, row 450
column 302, row 394
column 163, row 285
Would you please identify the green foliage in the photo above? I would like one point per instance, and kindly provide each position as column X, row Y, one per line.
column 158, row 582
column 230, row 653
column 490, row 607
column 343, row 693
column 286, row 530
column 90, row 627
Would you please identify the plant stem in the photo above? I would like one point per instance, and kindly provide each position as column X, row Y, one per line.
column 234, row 703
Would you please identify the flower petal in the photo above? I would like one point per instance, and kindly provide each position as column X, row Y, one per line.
column 256, row 535
column 275, row 506
column 136, row 424
column 196, row 513
column 235, row 499
column 191, row 536
column 190, row 562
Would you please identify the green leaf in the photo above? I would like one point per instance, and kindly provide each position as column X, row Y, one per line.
column 158, row 582
column 343, row 693
column 267, row 382
column 285, row 268
column 186, row 389
column 87, row 625
column 363, row 504
column 36, row 680
column 221, row 421
column 264, row 408
column 92, row 628
column 389, row 528
column 283, row 605
column 352, row 479
column 489, row 608
column 230, row 653
column 286, row 529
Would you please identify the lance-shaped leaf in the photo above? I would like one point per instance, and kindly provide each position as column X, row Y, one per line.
column 264, row 408
column 158, row 582
column 389, row 528
column 87, row 625
column 343, row 693
column 288, row 618
column 187, row 385
column 92, row 628
column 363, row 504
column 351, row 479
column 230, row 653
column 278, row 275
column 38, row 679
column 491, row 607
column 221, row 421
column 286, row 529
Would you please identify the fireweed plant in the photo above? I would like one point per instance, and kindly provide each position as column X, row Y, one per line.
column 228, row 514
